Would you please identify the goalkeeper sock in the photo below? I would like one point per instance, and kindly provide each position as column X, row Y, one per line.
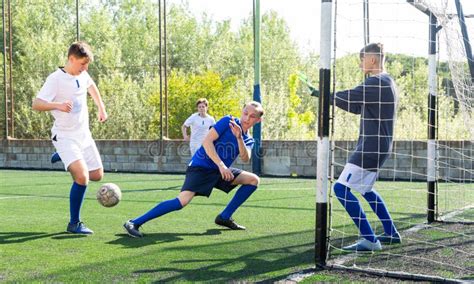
column 352, row 205
column 76, row 196
column 159, row 210
column 240, row 196
column 378, row 206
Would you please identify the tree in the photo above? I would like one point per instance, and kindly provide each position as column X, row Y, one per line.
column 185, row 89
column 300, row 117
column 206, row 58
column 41, row 36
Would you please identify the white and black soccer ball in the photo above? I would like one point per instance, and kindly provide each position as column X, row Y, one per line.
column 109, row 195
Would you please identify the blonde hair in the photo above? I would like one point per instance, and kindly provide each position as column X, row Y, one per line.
column 258, row 107
column 202, row 101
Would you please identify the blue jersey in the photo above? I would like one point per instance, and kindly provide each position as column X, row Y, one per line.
column 226, row 146
column 376, row 102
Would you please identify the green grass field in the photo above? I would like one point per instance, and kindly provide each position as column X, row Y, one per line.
column 181, row 246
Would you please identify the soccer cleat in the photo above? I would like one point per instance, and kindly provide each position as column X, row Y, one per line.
column 390, row 240
column 228, row 223
column 79, row 228
column 55, row 158
column 132, row 229
column 364, row 245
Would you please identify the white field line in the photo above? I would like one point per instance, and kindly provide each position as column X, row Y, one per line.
column 17, row 196
column 457, row 212
column 290, row 189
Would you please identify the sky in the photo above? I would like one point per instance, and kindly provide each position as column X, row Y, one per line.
column 401, row 27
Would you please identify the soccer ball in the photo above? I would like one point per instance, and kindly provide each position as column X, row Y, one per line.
column 109, row 194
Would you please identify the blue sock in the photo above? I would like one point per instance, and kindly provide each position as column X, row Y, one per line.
column 352, row 205
column 378, row 206
column 240, row 196
column 159, row 210
column 76, row 196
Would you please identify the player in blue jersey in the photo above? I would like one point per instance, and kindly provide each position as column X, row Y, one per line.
column 210, row 167
column 376, row 102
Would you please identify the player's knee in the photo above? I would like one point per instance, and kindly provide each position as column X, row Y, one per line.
column 82, row 179
column 96, row 176
column 185, row 198
column 254, row 180
column 184, row 201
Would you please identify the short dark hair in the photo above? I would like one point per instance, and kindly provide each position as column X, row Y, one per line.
column 202, row 101
column 80, row 49
column 373, row 48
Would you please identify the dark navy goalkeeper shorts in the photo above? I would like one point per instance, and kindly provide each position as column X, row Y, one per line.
column 202, row 180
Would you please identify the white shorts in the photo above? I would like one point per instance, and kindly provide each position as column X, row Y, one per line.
column 71, row 150
column 357, row 178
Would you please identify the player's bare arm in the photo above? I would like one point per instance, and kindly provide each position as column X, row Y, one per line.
column 95, row 94
column 208, row 145
column 244, row 152
column 184, row 130
column 41, row 105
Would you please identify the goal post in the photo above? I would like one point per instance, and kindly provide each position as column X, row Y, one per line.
column 321, row 244
column 429, row 177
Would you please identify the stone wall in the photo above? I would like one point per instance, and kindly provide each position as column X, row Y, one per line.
column 280, row 158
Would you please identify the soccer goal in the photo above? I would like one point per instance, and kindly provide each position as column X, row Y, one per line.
column 428, row 181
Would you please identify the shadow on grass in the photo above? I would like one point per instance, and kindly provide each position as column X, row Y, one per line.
column 236, row 260
column 157, row 238
column 21, row 237
column 253, row 264
column 271, row 256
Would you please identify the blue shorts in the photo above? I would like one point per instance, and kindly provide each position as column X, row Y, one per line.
column 202, row 180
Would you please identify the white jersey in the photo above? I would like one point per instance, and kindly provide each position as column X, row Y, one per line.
column 199, row 127
column 61, row 86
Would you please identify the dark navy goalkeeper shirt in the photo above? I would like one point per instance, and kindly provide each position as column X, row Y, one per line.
column 376, row 102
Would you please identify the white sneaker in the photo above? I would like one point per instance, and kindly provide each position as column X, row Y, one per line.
column 364, row 245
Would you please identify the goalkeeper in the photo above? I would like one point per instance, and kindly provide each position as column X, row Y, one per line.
column 376, row 102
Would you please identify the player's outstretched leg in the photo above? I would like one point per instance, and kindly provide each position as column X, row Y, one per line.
column 249, row 183
column 55, row 158
column 132, row 226
column 390, row 235
column 167, row 206
column 352, row 206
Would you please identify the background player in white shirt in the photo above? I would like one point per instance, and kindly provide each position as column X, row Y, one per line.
column 64, row 94
column 200, row 123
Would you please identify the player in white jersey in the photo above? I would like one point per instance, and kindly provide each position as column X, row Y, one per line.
column 64, row 94
column 200, row 123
